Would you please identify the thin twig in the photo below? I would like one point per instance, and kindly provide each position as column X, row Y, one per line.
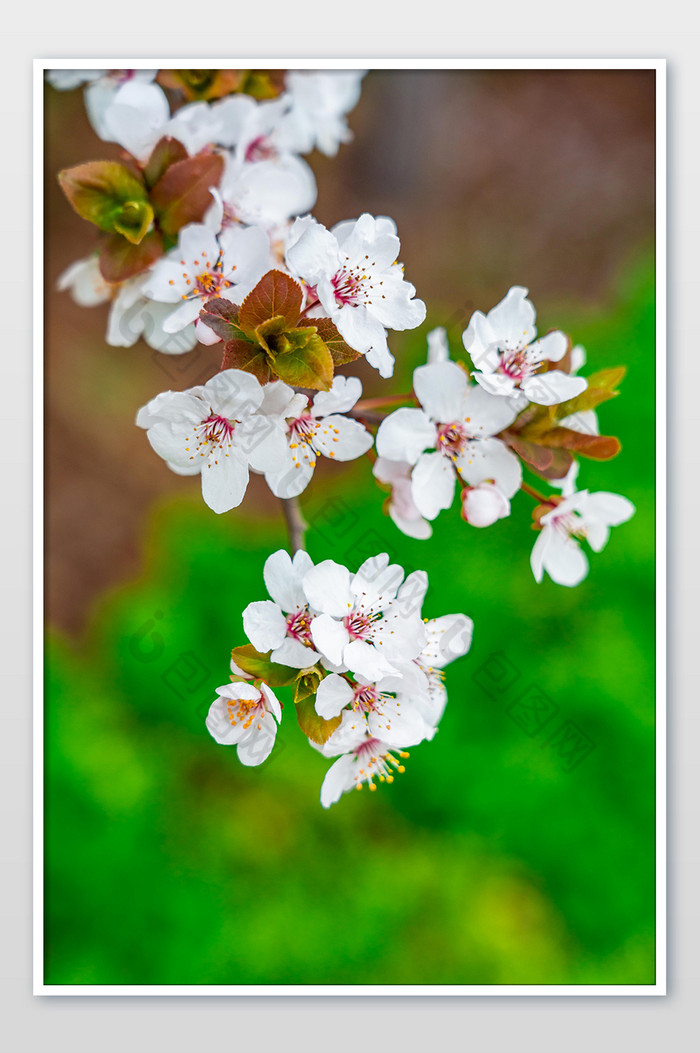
column 535, row 493
column 296, row 525
column 383, row 400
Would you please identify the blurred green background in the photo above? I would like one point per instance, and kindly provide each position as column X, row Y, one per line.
column 515, row 849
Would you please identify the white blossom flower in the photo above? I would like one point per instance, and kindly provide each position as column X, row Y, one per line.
column 138, row 115
column 131, row 314
column 449, row 637
column 318, row 103
column 318, row 429
column 456, row 426
column 508, row 359
column 214, row 429
column 358, row 282
column 484, row 504
column 201, row 267
column 402, row 508
column 246, row 717
column 367, row 759
column 83, row 280
column 381, row 709
column 580, row 515
column 282, row 625
column 360, row 625
column 262, row 193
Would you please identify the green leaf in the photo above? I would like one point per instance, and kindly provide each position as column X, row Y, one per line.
column 601, row 387
column 134, row 221
column 275, row 294
column 260, row 666
column 239, row 354
column 165, row 153
column 182, row 193
column 307, row 683
column 271, row 335
column 119, row 259
column 315, row 727
column 308, row 363
column 107, row 193
column 341, row 353
column 222, row 316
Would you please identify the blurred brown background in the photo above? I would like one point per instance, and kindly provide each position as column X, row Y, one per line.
column 541, row 178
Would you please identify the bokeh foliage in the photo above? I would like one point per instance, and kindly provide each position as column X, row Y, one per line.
column 487, row 862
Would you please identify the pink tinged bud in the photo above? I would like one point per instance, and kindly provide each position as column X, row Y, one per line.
column 482, row 505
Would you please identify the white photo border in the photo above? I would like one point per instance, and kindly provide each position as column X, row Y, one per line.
column 39, row 987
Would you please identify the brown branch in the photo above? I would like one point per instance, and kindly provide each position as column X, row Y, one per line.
column 383, row 400
column 535, row 493
column 296, row 525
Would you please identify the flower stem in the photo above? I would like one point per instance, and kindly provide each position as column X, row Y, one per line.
column 383, row 400
column 296, row 525
column 535, row 493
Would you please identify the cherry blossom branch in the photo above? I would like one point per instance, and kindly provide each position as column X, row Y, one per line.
column 535, row 493
column 383, row 400
column 295, row 522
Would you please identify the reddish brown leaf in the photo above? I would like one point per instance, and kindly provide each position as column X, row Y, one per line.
column 275, row 294
column 341, row 353
column 238, row 354
column 597, row 447
column 561, row 462
column 221, row 316
column 182, row 194
column 119, row 259
column 201, row 83
column 165, row 153
column 534, row 455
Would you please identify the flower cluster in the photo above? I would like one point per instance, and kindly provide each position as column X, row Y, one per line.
column 478, row 428
column 209, row 191
column 366, row 668
column 206, row 236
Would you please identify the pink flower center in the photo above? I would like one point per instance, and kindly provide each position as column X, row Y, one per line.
column 217, row 429
column 209, row 282
column 304, row 427
column 299, row 626
column 516, row 364
column 260, row 149
column 366, row 698
column 452, row 437
column 346, row 288
column 358, row 625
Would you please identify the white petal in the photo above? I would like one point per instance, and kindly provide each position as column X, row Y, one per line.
column 611, row 509
column 234, row 394
column 257, row 746
column 341, row 438
column 513, row 319
column 490, row 460
column 405, row 434
column 333, row 695
column 224, row 480
column 330, row 638
column 376, row 582
column 264, row 625
column 496, row 384
column 449, row 637
column 438, row 346
column 366, row 661
column 219, row 724
column 294, row 653
column 315, row 255
column 433, row 484
column 553, row 387
column 486, row 414
column 327, row 588
column 553, row 346
column 440, row 389
column 344, row 393
column 340, row 778
column 283, row 578
column 564, row 560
